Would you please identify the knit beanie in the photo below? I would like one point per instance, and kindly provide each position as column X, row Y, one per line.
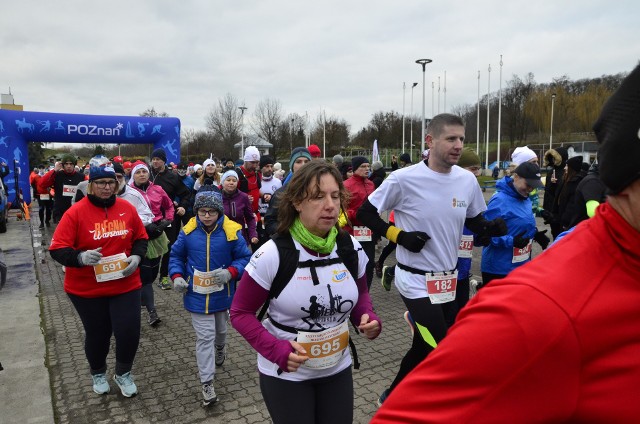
column 208, row 162
column 100, row 167
column 376, row 165
column 297, row 153
column 575, row 163
column 314, row 150
column 209, row 197
column 159, row 153
column 405, row 158
column 618, row 132
column 338, row 160
column 266, row 160
column 229, row 173
column 251, row 154
column 356, row 161
column 68, row 157
column 468, row 158
column 118, row 168
column 522, row 154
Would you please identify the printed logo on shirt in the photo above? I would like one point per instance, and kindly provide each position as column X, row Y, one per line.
column 459, row 203
column 107, row 229
column 340, row 276
column 323, row 310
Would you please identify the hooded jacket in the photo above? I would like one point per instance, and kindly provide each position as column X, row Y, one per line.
column 238, row 208
column 516, row 211
column 160, row 204
column 224, row 247
column 360, row 188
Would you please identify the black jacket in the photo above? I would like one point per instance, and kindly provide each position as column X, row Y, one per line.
column 172, row 185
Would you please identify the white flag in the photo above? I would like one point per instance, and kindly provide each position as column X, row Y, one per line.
column 374, row 154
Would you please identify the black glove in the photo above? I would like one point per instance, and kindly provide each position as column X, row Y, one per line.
column 153, row 231
column 496, row 228
column 547, row 216
column 542, row 239
column 163, row 224
column 413, row 241
column 482, row 241
column 520, row 242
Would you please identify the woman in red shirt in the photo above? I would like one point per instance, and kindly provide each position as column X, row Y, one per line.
column 101, row 240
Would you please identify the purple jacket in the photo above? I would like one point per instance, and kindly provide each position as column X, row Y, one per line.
column 238, row 208
column 158, row 201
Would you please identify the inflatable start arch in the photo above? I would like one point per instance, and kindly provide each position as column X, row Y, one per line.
column 17, row 128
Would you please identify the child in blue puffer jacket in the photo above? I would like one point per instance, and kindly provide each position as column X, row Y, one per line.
column 206, row 260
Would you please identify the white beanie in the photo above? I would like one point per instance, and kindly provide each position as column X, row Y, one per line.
column 208, row 162
column 522, row 154
column 136, row 166
column 277, row 166
column 251, row 154
column 229, row 173
column 196, row 167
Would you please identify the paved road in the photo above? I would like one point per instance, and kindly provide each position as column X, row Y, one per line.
column 165, row 368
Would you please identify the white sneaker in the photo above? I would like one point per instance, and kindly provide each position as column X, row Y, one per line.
column 100, row 384
column 125, row 383
column 208, row 394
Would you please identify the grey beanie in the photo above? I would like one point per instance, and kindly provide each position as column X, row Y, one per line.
column 338, row 159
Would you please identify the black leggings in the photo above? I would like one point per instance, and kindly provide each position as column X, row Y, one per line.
column 451, row 309
column 386, row 251
column 488, row 277
column 369, row 248
column 103, row 316
column 45, row 205
column 148, row 273
column 322, row 400
column 427, row 315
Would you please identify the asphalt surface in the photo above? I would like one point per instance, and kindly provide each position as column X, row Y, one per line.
column 46, row 377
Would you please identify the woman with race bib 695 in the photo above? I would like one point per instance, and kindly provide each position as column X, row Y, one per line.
column 303, row 344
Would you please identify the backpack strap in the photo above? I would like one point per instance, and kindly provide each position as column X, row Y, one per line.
column 287, row 266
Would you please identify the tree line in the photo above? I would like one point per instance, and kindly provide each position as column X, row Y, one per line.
column 525, row 119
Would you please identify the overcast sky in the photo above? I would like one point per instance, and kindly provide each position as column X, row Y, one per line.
column 349, row 58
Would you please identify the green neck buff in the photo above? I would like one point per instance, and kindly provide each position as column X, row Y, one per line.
column 311, row 241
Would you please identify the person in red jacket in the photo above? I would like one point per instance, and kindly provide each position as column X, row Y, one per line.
column 64, row 180
column 360, row 187
column 557, row 339
column 101, row 240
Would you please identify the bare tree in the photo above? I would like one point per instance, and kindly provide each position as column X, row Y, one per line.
column 152, row 113
column 267, row 122
column 225, row 123
column 335, row 131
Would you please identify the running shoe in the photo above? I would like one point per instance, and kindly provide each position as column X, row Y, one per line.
column 387, row 277
column 125, row 383
column 383, row 396
column 165, row 284
column 410, row 322
column 208, row 394
column 154, row 320
column 221, row 355
column 100, row 384
column 378, row 269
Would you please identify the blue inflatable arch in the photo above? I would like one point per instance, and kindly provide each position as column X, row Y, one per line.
column 18, row 127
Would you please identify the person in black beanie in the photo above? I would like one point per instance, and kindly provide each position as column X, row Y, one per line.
column 175, row 189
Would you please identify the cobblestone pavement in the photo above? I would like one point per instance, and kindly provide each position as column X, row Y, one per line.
column 165, row 368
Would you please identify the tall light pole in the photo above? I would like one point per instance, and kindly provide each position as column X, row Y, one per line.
column 423, row 62
column 553, row 100
column 433, row 98
column 404, row 86
column 445, row 92
column 242, row 109
column 291, row 139
column 438, row 95
column 324, row 134
column 488, row 107
column 411, row 136
column 499, row 110
column 478, row 116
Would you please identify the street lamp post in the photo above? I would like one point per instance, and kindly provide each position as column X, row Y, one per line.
column 553, row 100
column 499, row 111
column 291, row 139
column 488, row 107
column 423, row 62
column 242, row 109
column 478, row 116
column 411, row 135
column 404, row 86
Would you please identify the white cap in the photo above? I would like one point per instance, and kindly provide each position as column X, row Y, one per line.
column 251, row 154
column 522, row 154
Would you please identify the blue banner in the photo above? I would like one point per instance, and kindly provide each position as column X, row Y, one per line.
column 19, row 127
